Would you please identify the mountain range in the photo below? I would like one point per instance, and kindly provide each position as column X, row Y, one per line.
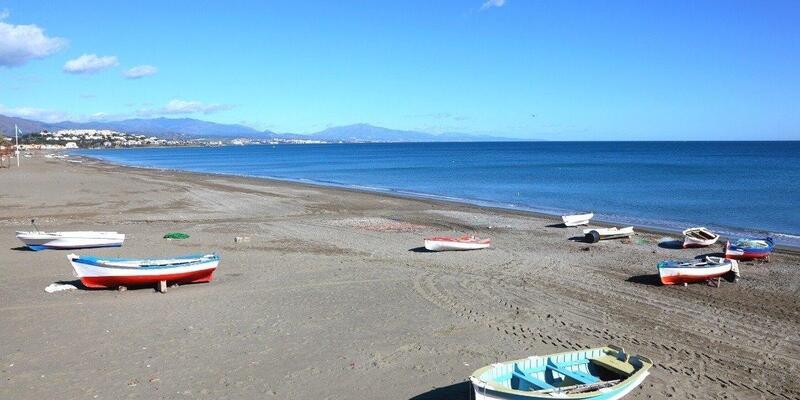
column 172, row 127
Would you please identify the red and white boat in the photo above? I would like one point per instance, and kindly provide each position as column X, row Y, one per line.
column 447, row 243
column 674, row 272
column 101, row 272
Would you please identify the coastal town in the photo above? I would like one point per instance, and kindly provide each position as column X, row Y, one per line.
column 106, row 138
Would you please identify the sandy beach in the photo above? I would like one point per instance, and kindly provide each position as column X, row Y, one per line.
column 332, row 297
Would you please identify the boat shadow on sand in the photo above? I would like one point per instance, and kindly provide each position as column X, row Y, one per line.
column 420, row 249
column 459, row 390
column 673, row 244
column 21, row 248
column 76, row 282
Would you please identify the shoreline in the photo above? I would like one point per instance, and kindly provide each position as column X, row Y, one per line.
column 439, row 200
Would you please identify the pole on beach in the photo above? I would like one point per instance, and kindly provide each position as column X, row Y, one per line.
column 16, row 147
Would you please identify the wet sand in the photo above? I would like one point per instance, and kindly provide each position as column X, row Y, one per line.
column 333, row 296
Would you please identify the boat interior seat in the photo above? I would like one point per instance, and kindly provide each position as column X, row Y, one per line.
column 576, row 376
column 614, row 364
column 530, row 380
column 536, row 383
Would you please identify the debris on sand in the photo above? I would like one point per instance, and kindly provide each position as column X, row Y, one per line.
column 59, row 287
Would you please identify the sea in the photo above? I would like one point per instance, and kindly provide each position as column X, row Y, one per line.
column 734, row 188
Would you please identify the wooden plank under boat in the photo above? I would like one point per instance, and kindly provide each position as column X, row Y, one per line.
column 447, row 243
column 577, row 219
column 103, row 272
column 598, row 373
column 674, row 272
column 699, row 237
column 749, row 248
column 70, row 240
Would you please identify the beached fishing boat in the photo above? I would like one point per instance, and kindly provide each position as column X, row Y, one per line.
column 749, row 249
column 577, row 219
column 699, row 237
column 598, row 373
column 674, row 272
column 70, row 240
column 597, row 234
column 103, row 272
column 446, row 243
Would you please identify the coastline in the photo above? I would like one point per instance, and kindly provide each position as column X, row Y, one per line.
column 332, row 297
column 441, row 200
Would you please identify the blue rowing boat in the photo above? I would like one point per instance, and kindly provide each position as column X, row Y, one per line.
column 749, row 249
column 600, row 373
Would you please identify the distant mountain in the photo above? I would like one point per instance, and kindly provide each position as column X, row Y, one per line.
column 25, row 125
column 369, row 133
column 170, row 127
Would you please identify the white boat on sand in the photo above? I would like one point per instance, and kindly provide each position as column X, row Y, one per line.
column 699, row 237
column 446, row 243
column 595, row 235
column 577, row 219
column 70, row 240
column 101, row 272
column 673, row 272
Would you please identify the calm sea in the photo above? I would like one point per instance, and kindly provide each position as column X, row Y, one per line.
column 733, row 187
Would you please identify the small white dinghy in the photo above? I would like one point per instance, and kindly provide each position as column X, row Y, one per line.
column 597, row 234
column 70, row 240
column 577, row 219
column 699, row 237
column 446, row 243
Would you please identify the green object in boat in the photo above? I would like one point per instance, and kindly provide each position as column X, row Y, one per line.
column 176, row 235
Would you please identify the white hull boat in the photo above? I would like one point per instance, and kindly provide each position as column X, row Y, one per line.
column 577, row 219
column 70, row 240
column 673, row 272
column 597, row 234
column 699, row 237
column 446, row 243
column 97, row 272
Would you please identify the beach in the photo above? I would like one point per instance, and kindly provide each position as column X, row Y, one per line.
column 333, row 297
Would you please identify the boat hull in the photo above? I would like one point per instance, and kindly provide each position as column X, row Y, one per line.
column 440, row 245
column 674, row 276
column 596, row 373
column 699, row 237
column 63, row 240
column 98, row 277
column 595, row 235
column 733, row 252
column 480, row 392
column 577, row 219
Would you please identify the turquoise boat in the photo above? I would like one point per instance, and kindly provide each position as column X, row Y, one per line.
column 599, row 373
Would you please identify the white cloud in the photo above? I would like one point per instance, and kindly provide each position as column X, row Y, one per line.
column 38, row 114
column 492, row 3
column 140, row 71
column 22, row 43
column 90, row 63
column 178, row 106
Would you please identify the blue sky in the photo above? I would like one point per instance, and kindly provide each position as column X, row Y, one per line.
column 587, row 70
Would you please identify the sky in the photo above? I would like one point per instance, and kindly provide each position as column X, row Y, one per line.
column 536, row 69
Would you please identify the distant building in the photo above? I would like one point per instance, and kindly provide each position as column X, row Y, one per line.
column 71, row 145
